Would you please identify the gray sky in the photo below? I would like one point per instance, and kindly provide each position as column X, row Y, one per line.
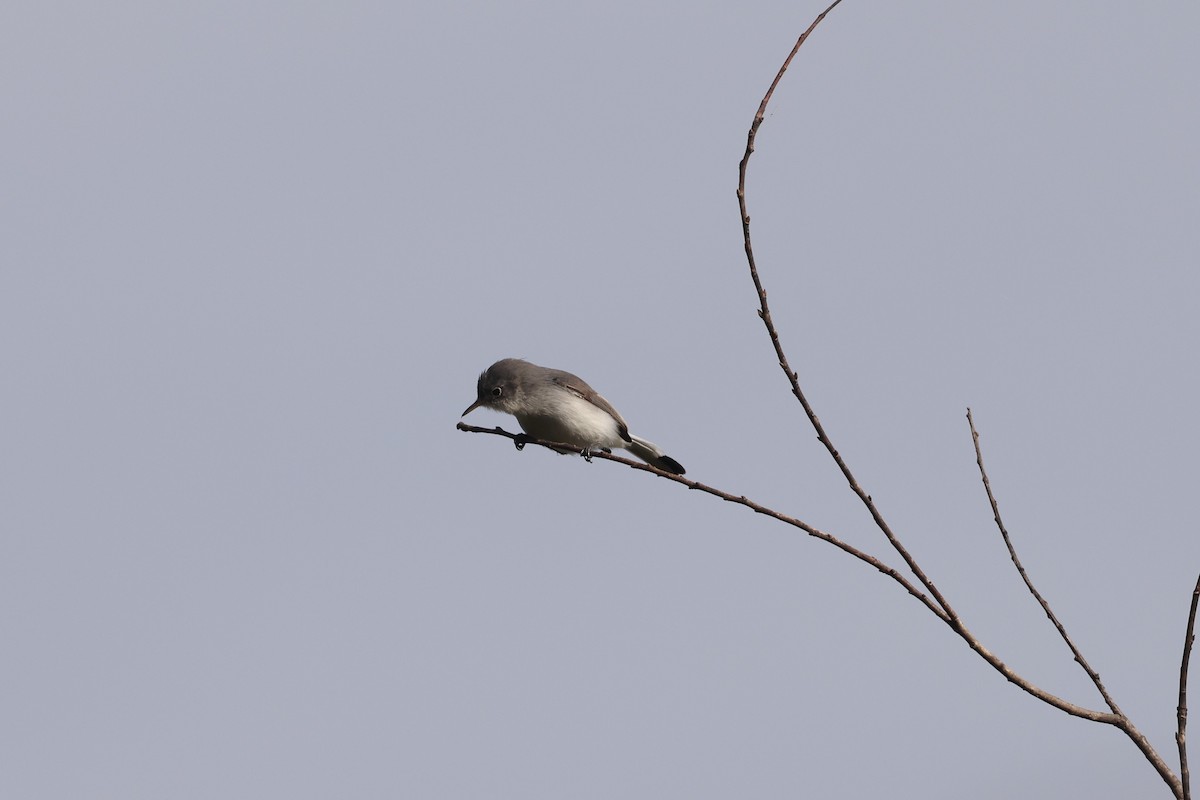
column 256, row 254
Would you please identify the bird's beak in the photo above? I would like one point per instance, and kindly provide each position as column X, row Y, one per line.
column 472, row 407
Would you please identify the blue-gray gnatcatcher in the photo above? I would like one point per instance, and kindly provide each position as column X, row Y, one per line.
column 557, row 406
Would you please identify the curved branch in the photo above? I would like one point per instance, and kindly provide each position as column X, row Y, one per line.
column 764, row 312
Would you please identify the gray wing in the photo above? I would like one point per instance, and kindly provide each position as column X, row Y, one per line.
column 577, row 385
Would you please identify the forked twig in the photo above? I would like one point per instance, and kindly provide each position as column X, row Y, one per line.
column 1121, row 721
column 1012, row 553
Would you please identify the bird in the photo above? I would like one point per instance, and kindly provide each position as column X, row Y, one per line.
column 557, row 406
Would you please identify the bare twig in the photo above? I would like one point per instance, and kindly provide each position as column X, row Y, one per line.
column 955, row 624
column 740, row 500
column 764, row 312
column 1181, row 710
column 1012, row 553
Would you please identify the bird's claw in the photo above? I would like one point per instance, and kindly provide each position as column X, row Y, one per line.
column 519, row 441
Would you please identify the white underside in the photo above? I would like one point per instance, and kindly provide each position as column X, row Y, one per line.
column 570, row 419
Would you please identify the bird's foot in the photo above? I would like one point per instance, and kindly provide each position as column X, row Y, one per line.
column 588, row 451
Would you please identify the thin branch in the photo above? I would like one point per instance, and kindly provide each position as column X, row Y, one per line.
column 1012, row 553
column 956, row 625
column 1123, row 722
column 764, row 313
column 521, row 440
column 1181, row 711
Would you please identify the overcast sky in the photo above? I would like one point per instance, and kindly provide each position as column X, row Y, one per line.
column 255, row 254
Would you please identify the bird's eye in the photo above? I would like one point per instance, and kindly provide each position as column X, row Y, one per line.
column 497, row 391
